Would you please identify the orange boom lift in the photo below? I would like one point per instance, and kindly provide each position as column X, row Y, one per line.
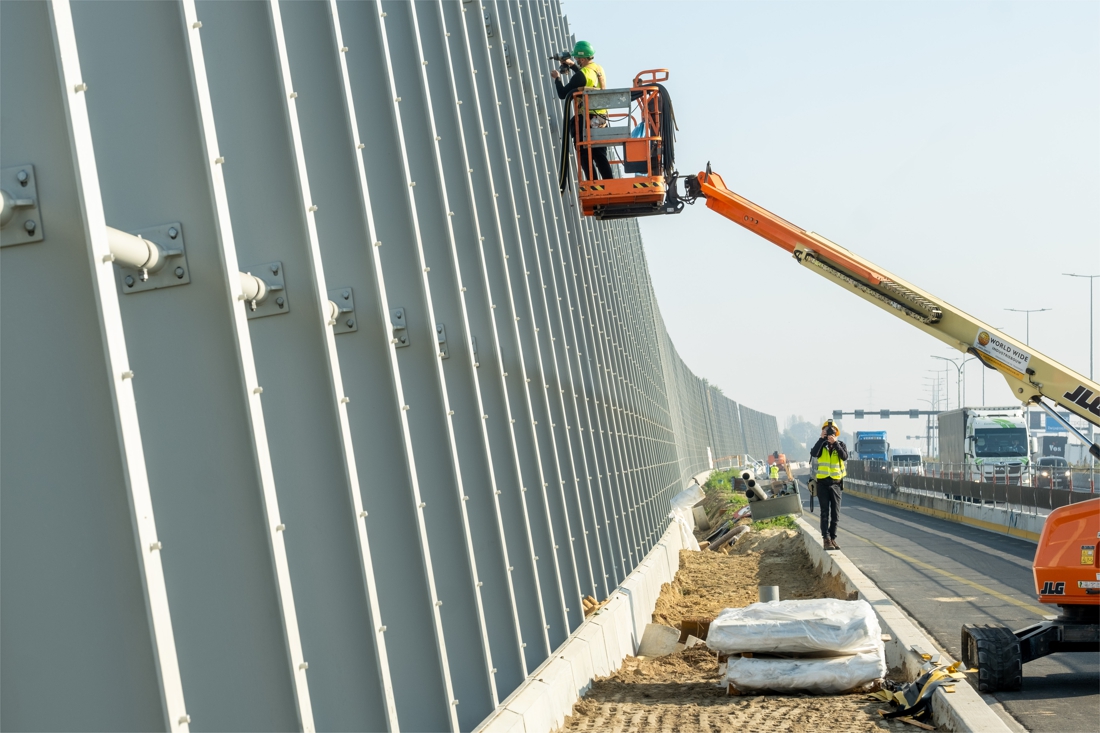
column 639, row 123
column 1066, row 565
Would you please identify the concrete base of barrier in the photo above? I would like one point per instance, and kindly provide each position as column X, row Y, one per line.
column 595, row 649
column 995, row 519
column 962, row 710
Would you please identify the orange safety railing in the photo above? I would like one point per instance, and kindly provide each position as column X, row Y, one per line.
column 641, row 157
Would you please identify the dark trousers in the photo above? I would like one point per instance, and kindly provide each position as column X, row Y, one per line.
column 828, row 495
column 599, row 159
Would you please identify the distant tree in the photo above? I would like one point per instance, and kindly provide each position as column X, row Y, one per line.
column 798, row 437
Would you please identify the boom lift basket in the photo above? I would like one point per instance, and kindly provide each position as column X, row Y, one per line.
column 635, row 124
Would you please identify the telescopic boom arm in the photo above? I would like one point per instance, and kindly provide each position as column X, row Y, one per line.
column 1029, row 374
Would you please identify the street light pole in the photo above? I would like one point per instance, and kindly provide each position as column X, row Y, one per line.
column 1027, row 320
column 959, row 386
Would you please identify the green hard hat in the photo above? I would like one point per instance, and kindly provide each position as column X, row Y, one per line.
column 583, row 49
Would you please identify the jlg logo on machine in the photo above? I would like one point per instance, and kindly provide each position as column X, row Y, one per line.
column 1050, row 588
column 1083, row 397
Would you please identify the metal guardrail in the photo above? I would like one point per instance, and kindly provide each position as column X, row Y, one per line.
column 1037, row 497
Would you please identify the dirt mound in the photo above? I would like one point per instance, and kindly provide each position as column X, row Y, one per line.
column 773, row 542
column 681, row 692
column 708, row 581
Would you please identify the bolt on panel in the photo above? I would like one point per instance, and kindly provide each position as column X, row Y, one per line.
column 501, row 383
column 192, row 395
column 301, row 406
column 519, row 231
column 539, row 186
column 440, row 40
column 533, row 237
column 67, row 530
column 549, row 450
column 517, row 355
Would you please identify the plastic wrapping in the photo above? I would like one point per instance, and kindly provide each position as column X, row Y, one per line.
column 798, row 627
column 822, row 676
column 681, row 514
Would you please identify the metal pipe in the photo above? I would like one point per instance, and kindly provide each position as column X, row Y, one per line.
column 133, row 251
column 252, row 288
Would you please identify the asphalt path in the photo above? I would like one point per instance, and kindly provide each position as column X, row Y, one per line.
column 945, row 574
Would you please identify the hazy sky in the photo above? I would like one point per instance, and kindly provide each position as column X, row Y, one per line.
column 956, row 144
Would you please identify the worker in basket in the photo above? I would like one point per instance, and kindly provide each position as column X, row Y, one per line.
column 590, row 75
column 831, row 453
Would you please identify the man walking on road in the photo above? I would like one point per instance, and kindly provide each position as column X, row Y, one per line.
column 831, row 453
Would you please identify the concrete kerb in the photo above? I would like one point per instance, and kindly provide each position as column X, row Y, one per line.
column 962, row 710
column 595, row 649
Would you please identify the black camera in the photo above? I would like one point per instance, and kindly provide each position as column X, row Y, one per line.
column 831, row 430
column 561, row 58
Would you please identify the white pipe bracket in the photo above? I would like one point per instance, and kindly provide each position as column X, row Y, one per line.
column 161, row 249
column 268, row 296
column 343, row 320
column 20, row 222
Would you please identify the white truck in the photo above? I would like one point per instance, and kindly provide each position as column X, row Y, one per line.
column 906, row 461
column 990, row 444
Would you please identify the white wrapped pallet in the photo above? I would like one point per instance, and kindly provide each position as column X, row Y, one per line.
column 822, row 676
column 681, row 514
column 797, row 627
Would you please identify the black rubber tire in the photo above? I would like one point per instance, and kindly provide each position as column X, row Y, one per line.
column 994, row 651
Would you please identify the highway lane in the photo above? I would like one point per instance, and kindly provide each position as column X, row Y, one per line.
column 945, row 574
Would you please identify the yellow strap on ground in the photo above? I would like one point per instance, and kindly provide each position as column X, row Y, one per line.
column 1034, row 608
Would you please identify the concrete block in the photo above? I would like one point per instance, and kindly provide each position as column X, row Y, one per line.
column 561, row 689
column 595, row 649
column 502, row 721
column 593, row 634
column 606, row 623
column 577, row 655
column 532, row 702
column 658, row 640
column 623, row 628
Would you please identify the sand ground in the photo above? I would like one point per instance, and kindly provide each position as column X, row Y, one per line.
column 681, row 693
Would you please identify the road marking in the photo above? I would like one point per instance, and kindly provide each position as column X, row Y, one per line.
column 960, row 518
column 954, row 538
column 1034, row 608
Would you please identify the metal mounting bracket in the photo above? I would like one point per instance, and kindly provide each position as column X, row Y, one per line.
column 20, row 220
column 400, row 330
column 441, row 337
column 346, row 322
column 174, row 271
column 275, row 302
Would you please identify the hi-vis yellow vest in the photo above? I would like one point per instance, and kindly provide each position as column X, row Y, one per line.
column 594, row 77
column 829, row 465
column 774, row 471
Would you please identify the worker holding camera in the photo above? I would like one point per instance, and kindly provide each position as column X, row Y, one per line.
column 586, row 73
column 831, row 453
